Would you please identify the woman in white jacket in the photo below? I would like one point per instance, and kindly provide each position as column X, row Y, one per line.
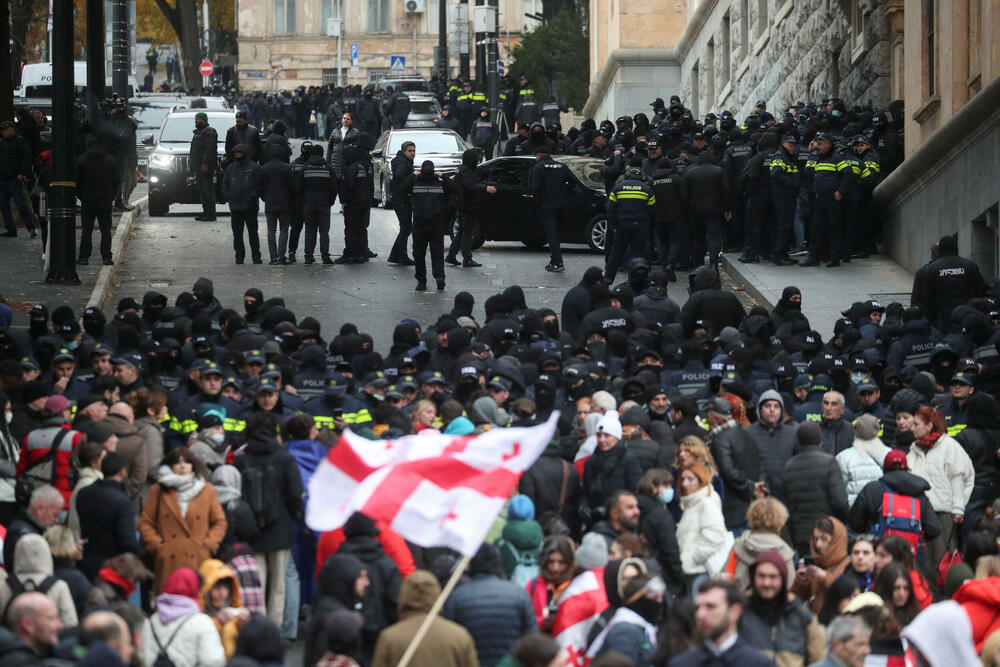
column 862, row 463
column 701, row 533
column 938, row 458
column 179, row 629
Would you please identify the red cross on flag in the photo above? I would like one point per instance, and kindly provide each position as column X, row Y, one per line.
column 433, row 489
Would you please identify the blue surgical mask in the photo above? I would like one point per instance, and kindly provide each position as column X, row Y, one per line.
column 72, row 345
column 667, row 495
column 858, row 376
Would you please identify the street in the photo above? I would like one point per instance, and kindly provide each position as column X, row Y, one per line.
column 169, row 253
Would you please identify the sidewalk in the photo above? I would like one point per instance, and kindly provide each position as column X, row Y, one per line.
column 23, row 263
column 825, row 292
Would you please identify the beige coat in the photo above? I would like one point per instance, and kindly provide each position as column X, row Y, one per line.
column 179, row 540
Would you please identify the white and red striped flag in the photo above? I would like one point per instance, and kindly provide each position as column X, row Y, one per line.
column 581, row 604
column 434, row 489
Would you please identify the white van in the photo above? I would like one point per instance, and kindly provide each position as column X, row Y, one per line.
column 36, row 81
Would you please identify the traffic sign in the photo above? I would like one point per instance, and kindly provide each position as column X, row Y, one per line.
column 206, row 68
column 500, row 67
column 354, row 51
column 397, row 63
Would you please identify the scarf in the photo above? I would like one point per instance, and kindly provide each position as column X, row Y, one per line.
column 718, row 428
column 928, row 440
column 187, row 486
column 170, row 607
column 111, row 576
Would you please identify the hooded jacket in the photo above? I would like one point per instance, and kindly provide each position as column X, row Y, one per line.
column 543, row 483
column 701, row 531
column 241, row 184
column 204, row 149
column 861, row 464
column 710, row 303
column 212, row 572
column 277, row 186
column 94, row 188
column 447, row 644
column 706, row 188
column 264, row 452
column 470, row 189
column 775, row 444
column 866, row 511
column 34, row 564
column 783, row 629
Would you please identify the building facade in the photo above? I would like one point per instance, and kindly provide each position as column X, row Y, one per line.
column 284, row 43
column 948, row 183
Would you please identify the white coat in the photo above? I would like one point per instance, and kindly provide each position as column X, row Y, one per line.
column 948, row 469
column 861, row 464
column 702, row 529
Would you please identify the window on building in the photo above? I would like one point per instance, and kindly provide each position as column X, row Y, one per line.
column 745, row 29
column 378, row 15
column 930, row 48
column 725, row 44
column 857, row 26
column 376, row 75
column 326, row 13
column 709, row 72
column 695, row 99
column 284, row 17
column 330, row 75
column 975, row 23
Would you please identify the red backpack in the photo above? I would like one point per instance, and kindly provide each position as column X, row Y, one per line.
column 901, row 516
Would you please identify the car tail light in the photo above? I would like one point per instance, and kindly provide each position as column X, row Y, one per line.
column 436, row 119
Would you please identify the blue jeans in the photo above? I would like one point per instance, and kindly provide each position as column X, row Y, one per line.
column 13, row 189
column 290, row 622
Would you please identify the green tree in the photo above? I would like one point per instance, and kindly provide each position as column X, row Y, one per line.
column 555, row 56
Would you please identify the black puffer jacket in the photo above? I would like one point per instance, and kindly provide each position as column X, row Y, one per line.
column 776, row 445
column 15, row 158
column 543, row 483
column 204, row 149
column 656, row 525
column 738, row 460
column 814, row 487
column 277, row 186
column 709, row 303
column 241, row 184
column 263, row 451
column 867, row 508
column 495, row 612
column 94, row 184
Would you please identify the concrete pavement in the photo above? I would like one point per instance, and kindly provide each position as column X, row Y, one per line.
column 825, row 292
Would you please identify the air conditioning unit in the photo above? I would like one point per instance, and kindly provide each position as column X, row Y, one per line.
column 414, row 6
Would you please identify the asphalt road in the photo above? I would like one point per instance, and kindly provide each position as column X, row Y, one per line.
column 169, row 253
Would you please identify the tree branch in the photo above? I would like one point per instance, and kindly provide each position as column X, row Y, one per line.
column 172, row 14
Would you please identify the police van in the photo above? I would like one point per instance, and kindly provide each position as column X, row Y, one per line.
column 36, row 81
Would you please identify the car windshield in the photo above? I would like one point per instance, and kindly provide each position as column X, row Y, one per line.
column 588, row 172
column 423, row 106
column 408, row 86
column 149, row 115
column 180, row 128
column 427, row 142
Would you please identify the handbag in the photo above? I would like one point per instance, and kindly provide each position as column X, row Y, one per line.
column 949, row 558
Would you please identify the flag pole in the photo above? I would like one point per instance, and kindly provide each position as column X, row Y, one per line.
column 434, row 611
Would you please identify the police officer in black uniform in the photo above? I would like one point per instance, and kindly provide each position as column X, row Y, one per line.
column 550, row 183
column 630, row 214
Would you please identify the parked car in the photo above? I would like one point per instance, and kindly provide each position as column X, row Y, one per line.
column 425, row 111
column 510, row 215
column 443, row 147
column 411, row 84
column 169, row 171
column 149, row 113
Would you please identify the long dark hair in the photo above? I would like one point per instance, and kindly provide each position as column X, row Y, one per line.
column 884, row 584
column 184, row 454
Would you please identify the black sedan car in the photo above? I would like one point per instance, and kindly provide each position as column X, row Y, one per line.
column 509, row 215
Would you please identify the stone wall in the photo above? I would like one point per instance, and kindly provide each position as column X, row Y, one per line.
column 796, row 50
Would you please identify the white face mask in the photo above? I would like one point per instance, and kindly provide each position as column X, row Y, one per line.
column 9, row 416
column 218, row 438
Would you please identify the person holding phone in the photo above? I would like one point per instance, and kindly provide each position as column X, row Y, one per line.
column 826, row 561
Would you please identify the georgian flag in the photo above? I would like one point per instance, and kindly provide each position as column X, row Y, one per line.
column 433, row 489
column 581, row 604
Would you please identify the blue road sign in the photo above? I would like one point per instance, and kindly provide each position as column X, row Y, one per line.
column 500, row 67
column 354, row 51
column 397, row 63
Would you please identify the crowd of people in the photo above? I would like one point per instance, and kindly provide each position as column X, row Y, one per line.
column 725, row 486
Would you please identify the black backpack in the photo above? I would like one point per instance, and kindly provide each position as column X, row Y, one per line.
column 162, row 659
column 17, row 587
column 260, row 491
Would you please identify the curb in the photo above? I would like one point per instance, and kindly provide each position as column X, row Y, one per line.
column 741, row 274
column 102, row 286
